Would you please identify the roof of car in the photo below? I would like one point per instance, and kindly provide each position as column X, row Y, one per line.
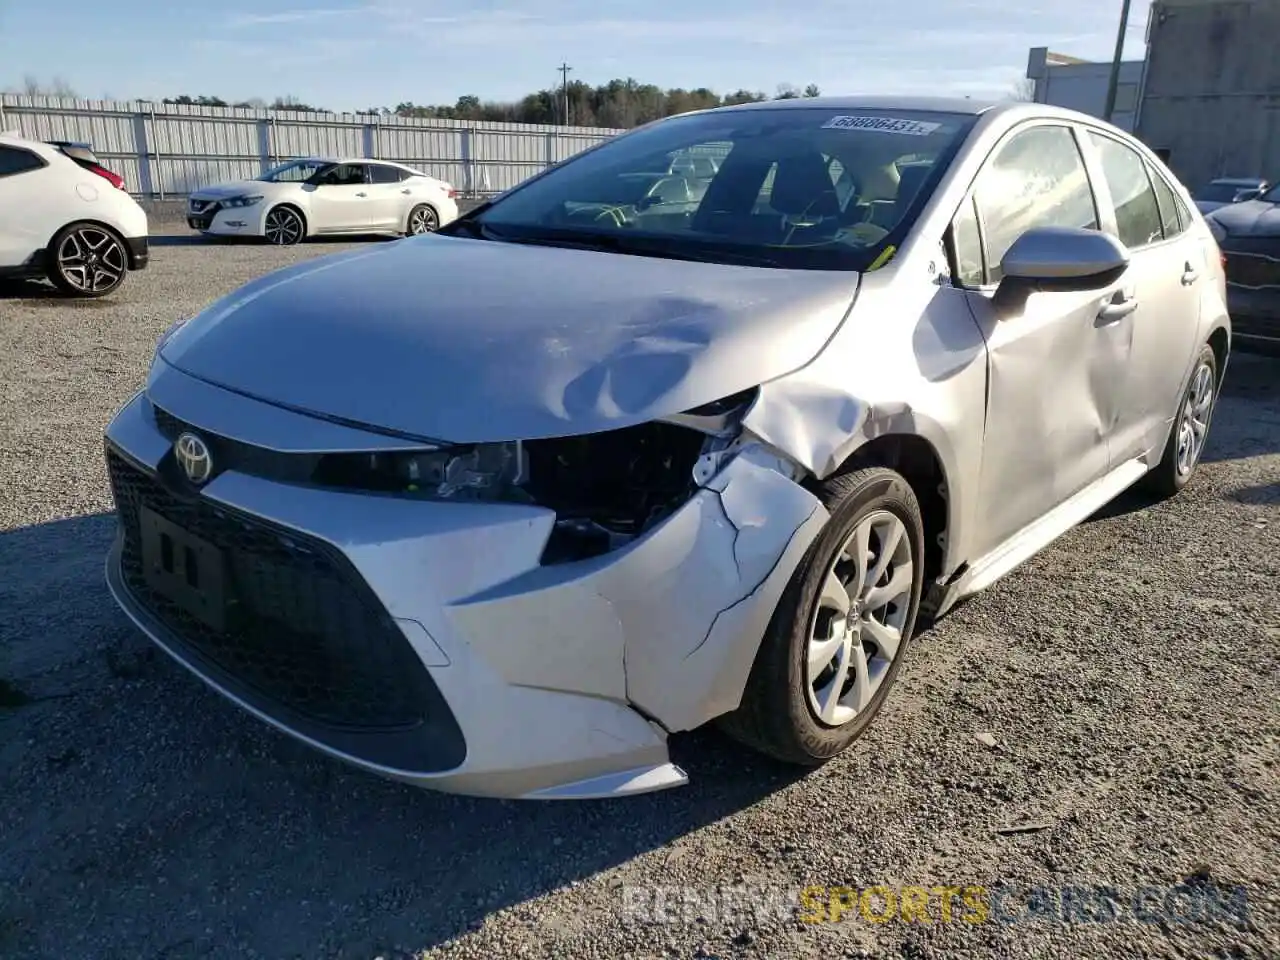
column 914, row 104
column 350, row 160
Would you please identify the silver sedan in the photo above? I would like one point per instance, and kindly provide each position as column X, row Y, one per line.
column 497, row 510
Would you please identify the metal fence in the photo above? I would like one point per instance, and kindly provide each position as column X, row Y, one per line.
column 166, row 150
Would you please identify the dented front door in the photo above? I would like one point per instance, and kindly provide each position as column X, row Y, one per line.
column 1055, row 379
column 1055, row 368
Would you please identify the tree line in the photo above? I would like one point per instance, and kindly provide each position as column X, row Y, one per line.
column 618, row 104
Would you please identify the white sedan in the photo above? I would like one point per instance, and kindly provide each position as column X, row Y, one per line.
column 319, row 196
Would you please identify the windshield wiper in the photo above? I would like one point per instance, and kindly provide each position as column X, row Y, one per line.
column 658, row 247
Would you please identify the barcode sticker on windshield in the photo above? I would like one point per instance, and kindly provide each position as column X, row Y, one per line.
column 912, row 128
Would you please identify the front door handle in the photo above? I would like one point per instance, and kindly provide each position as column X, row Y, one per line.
column 1189, row 274
column 361, row 194
column 1118, row 306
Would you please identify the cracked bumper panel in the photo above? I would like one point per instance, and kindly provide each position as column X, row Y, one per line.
column 520, row 738
column 685, row 605
column 535, row 665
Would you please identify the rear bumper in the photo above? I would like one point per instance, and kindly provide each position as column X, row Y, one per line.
column 139, row 251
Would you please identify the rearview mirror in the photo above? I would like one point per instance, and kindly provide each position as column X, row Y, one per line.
column 1059, row 259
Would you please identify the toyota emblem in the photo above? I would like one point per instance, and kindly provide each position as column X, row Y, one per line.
column 193, row 457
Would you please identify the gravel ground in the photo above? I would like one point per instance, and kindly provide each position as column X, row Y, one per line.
column 1119, row 694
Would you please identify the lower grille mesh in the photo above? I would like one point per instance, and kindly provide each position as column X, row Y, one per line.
column 302, row 627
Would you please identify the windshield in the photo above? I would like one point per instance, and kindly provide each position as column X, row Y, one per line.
column 808, row 187
column 295, row 171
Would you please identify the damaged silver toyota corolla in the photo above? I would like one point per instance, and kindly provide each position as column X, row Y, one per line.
column 687, row 428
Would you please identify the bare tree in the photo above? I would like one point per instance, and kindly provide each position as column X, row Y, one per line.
column 32, row 87
column 1024, row 90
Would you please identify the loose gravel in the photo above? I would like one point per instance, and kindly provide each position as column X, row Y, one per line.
column 1116, row 699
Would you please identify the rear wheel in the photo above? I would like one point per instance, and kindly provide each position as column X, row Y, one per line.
column 284, row 226
column 87, row 260
column 423, row 219
column 1190, row 429
column 838, row 637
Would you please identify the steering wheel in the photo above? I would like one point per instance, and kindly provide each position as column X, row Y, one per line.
column 610, row 214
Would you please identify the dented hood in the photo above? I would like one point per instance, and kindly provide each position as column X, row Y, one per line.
column 472, row 340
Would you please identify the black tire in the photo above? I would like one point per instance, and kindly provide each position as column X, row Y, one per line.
column 1170, row 475
column 87, row 260
column 284, row 226
column 422, row 219
column 776, row 715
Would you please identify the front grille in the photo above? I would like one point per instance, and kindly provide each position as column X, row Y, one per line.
column 302, row 629
column 229, row 454
column 200, row 213
column 1252, row 270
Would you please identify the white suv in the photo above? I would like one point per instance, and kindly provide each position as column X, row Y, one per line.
column 65, row 217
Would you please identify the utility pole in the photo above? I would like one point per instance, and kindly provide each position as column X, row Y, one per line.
column 563, row 71
column 1114, row 83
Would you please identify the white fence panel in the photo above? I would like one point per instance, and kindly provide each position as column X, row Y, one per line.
column 167, row 150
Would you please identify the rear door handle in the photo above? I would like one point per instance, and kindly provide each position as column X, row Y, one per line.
column 406, row 192
column 361, row 194
column 1118, row 306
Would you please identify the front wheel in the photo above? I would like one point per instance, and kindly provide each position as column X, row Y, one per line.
column 284, row 226
column 1190, row 429
column 88, row 260
column 837, row 639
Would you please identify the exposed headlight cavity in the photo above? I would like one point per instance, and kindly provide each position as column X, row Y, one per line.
column 606, row 488
column 485, row 471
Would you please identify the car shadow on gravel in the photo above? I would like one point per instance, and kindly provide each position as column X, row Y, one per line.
column 137, row 790
column 30, row 290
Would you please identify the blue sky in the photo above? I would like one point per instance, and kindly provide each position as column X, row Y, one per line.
column 349, row 54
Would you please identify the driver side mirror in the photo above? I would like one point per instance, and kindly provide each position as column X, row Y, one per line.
column 1058, row 259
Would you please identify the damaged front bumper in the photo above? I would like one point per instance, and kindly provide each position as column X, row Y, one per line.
column 431, row 641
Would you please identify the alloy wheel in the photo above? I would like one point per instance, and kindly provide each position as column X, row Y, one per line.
column 283, row 226
column 856, row 630
column 1194, row 423
column 423, row 220
column 91, row 260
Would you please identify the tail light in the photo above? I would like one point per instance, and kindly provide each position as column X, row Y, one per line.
column 114, row 179
column 451, row 191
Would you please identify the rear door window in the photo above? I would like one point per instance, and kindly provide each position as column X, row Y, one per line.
column 1138, row 220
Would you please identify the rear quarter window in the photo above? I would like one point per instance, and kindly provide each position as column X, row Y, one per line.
column 15, row 160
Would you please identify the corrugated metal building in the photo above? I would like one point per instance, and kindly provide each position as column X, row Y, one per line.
column 1212, row 92
column 1082, row 84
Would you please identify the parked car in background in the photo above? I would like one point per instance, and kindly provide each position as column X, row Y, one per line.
column 1248, row 234
column 496, row 510
column 317, row 196
column 65, row 217
column 1228, row 190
